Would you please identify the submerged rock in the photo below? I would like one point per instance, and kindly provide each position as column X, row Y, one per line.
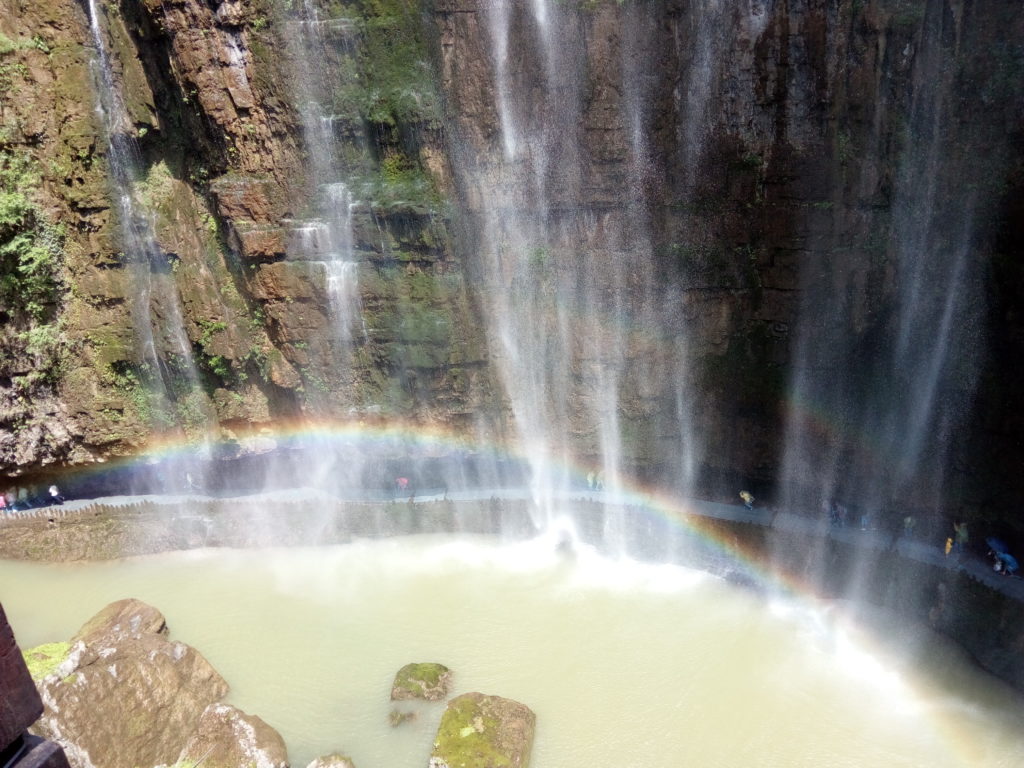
column 226, row 737
column 332, row 761
column 428, row 681
column 121, row 695
column 396, row 717
column 480, row 731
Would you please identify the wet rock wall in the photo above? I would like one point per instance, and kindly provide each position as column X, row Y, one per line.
column 772, row 132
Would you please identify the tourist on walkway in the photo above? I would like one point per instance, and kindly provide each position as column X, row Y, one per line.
column 1005, row 564
column 961, row 537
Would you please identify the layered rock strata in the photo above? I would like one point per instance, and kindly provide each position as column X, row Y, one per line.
column 730, row 171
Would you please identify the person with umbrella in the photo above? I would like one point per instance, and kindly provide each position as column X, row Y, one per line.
column 1005, row 563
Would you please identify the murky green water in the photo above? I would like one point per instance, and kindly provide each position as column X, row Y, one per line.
column 625, row 665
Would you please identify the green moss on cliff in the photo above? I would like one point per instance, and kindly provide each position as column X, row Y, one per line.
column 31, row 265
column 31, row 247
column 395, row 64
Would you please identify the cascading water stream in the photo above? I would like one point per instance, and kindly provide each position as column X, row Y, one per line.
column 897, row 400
column 572, row 277
column 327, row 239
column 163, row 346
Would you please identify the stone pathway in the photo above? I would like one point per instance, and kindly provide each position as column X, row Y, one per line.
column 975, row 567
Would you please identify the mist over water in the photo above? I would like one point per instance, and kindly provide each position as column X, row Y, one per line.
column 622, row 663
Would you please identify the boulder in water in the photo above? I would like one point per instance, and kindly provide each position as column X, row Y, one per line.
column 332, row 761
column 129, row 618
column 226, row 737
column 428, row 681
column 480, row 731
column 122, row 695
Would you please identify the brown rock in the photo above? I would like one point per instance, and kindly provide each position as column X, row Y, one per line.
column 126, row 696
column 231, row 13
column 332, row 761
column 248, row 198
column 262, row 243
column 288, row 281
column 283, row 373
column 226, row 737
column 129, row 618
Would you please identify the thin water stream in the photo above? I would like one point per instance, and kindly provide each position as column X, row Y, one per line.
column 165, row 357
column 623, row 663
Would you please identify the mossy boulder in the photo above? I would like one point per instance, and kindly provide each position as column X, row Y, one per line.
column 421, row 681
column 481, row 731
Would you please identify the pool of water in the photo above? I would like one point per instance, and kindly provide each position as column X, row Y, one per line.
column 624, row 664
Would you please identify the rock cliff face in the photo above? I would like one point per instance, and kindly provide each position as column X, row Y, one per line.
column 227, row 182
column 753, row 180
column 717, row 194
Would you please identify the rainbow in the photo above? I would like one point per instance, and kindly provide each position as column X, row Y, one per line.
column 426, row 440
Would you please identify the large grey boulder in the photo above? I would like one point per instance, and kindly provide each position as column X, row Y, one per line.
column 226, row 737
column 480, row 731
column 127, row 618
column 121, row 695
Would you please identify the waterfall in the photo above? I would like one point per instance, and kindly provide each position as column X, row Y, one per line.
column 585, row 334
column 327, row 239
column 881, row 399
column 164, row 349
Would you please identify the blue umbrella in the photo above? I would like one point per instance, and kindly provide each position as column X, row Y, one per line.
column 997, row 545
column 1010, row 564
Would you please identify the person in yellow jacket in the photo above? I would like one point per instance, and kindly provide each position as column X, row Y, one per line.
column 748, row 499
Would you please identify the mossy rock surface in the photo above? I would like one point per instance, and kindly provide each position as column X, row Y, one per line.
column 43, row 660
column 428, row 681
column 481, row 731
